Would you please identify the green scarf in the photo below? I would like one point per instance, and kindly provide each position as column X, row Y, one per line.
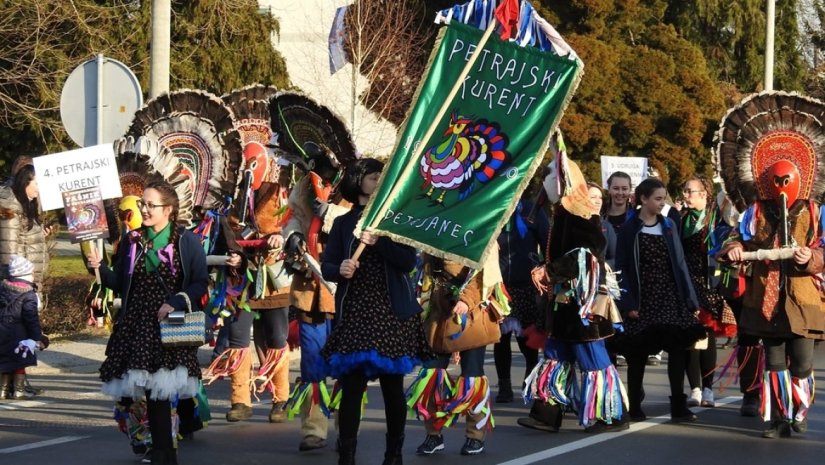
column 154, row 242
column 693, row 222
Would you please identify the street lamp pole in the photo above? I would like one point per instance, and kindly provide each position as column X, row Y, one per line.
column 769, row 39
column 159, row 54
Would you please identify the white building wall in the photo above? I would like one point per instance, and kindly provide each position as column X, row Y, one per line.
column 304, row 44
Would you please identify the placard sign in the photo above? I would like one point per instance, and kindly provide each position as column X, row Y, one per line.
column 85, row 215
column 636, row 167
column 76, row 169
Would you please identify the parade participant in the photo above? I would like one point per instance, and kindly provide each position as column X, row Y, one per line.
column 596, row 195
column 306, row 234
column 520, row 243
column 165, row 266
column 658, row 301
column 702, row 234
column 377, row 331
column 775, row 163
column 456, row 293
column 619, row 194
column 581, row 314
column 259, row 206
column 20, row 333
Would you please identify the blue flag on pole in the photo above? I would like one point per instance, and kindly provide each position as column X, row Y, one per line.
column 337, row 54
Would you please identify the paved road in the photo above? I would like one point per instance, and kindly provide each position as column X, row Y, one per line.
column 71, row 424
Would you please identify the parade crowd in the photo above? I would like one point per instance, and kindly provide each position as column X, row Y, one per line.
column 584, row 279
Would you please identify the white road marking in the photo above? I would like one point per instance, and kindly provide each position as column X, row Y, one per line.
column 596, row 439
column 23, row 403
column 36, row 445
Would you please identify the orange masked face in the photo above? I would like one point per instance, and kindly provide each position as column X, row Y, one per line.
column 255, row 161
column 784, row 179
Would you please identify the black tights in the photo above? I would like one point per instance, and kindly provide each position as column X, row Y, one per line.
column 160, row 423
column 676, row 362
column 701, row 366
column 503, row 356
column 352, row 391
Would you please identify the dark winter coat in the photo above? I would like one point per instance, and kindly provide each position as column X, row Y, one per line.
column 399, row 261
column 18, row 321
column 627, row 262
column 518, row 255
column 193, row 262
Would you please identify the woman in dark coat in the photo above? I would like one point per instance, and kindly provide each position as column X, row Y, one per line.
column 158, row 269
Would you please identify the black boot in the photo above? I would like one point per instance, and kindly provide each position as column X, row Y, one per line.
column 394, row 446
column 778, row 428
column 750, row 404
column 505, row 392
column 346, row 451
column 164, row 457
column 679, row 412
column 543, row 417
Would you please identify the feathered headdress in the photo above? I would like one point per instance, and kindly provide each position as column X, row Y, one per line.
column 200, row 131
column 298, row 119
column 137, row 159
column 772, row 138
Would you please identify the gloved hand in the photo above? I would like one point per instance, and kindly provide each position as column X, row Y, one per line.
column 25, row 347
column 319, row 208
column 295, row 245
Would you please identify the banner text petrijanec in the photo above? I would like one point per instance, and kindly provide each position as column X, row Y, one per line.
column 432, row 224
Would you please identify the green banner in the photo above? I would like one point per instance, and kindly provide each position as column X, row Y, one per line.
column 466, row 178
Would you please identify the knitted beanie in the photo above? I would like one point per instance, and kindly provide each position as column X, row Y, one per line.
column 19, row 266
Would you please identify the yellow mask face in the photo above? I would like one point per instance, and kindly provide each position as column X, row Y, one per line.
column 129, row 213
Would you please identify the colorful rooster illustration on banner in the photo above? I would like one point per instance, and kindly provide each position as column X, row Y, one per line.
column 471, row 151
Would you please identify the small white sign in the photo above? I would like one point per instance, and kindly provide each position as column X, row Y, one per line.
column 76, row 169
column 636, row 167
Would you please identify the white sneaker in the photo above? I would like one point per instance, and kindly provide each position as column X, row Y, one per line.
column 695, row 397
column 707, row 398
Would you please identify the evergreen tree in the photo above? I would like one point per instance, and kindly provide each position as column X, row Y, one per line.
column 217, row 45
column 732, row 38
column 646, row 91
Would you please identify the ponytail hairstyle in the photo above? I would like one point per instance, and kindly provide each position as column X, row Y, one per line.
column 19, row 183
column 169, row 197
column 606, row 205
column 646, row 188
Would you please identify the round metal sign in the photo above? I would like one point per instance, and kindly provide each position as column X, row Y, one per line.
column 100, row 96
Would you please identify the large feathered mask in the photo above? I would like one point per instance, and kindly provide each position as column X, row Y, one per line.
column 770, row 146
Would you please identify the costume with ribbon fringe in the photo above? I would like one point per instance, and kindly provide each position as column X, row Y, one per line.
column 138, row 368
column 254, row 297
column 321, row 144
column 188, row 139
column 580, row 314
column 434, row 396
column 769, row 151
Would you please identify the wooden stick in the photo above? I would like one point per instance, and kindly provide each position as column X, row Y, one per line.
column 418, row 149
column 770, row 254
column 93, row 249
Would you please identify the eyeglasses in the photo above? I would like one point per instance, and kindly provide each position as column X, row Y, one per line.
column 689, row 192
column 148, row 205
